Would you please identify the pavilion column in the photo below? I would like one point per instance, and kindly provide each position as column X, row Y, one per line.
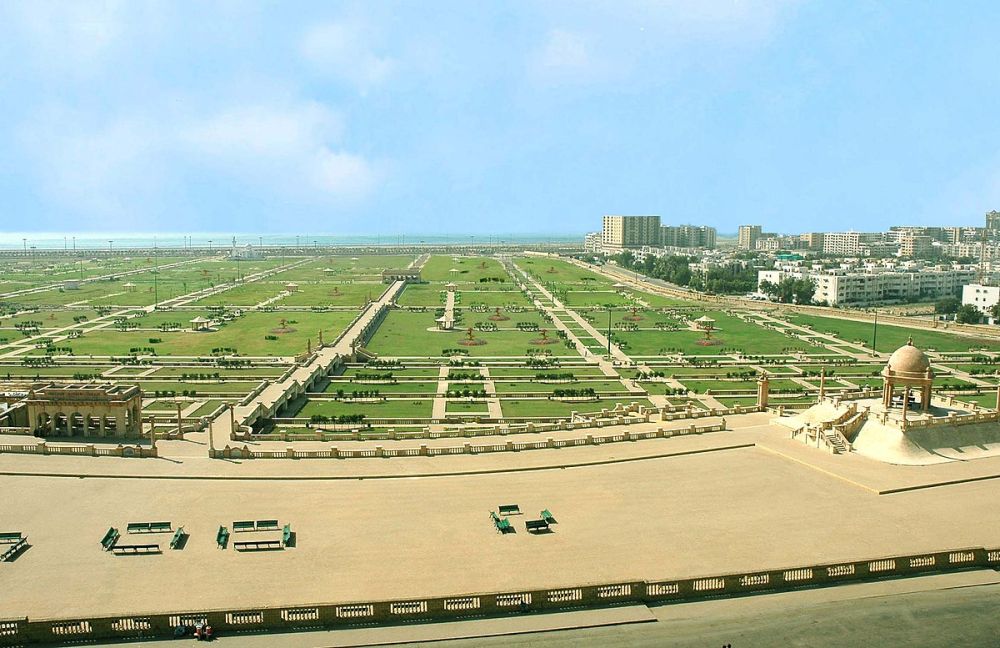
column 52, row 423
column 101, row 420
column 120, row 428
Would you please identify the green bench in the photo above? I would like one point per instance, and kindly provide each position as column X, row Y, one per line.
column 10, row 538
column 176, row 540
column 502, row 524
column 222, row 537
column 545, row 515
column 258, row 545
column 509, row 509
column 135, row 549
column 286, row 534
column 110, row 539
column 244, row 526
column 536, row 526
column 14, row 549
column 148, row 527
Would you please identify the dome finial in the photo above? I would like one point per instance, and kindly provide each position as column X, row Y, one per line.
column 909, row 341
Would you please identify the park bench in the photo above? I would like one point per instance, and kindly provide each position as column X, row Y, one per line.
column 502, row 524
column 509, row 509
column 14, row 549
column 222, row 537
column 10, row 538
column 245, row 525
column 109, row 539
column 149, row 527
column 286, row 534
column 534, row 526
column 545, row 515
column 267, row 525
column 135, row 549
column 176, row 540
column 258, row 545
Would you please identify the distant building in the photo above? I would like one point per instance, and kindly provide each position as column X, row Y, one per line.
column 853, row 243
column 592, row 242
column 687, row 236
column 246, row 253
column 630, row 231
column 982, row 297
column 813, row 240
column 872, row 285
column 914, row 246
column 747, row 236
column 993, row 222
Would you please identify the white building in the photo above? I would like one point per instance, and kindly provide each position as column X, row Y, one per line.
column 982, row 297
column 875, row 284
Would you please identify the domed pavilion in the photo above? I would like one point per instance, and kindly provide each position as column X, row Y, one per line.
column 908, row 368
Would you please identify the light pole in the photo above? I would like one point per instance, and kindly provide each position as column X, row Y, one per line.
column 156, row 271
column 25, row 242
column 111, row 246
column 875, row 333
column 609, row 333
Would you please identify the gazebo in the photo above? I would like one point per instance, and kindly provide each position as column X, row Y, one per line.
column 451, row 286
column 129, row 287
column 908, row 367
column 705, row 323
column 200, row 324
column 291, row 286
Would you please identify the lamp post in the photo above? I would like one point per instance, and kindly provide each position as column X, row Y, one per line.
column 875, row 333
column 609, row 332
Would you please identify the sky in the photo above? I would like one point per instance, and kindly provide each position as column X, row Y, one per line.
column 496, row 117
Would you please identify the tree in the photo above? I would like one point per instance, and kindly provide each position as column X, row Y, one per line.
column 968, row 314
column 995, row 311
column 947, row 305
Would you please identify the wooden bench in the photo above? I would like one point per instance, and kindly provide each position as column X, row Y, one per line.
column 109, row 539
column 14, row 549
column 149, row 527
column 244, row 525
column 222, row 537
column 258, row 545
column 10, row 538
column 545, row 515
column 286, row 534
column 176, row 540
column 267, row 525
column 534, row 526
column 135, row 549
column 509, row 509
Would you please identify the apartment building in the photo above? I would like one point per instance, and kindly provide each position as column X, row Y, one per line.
column 875, row 285
column 630, row 231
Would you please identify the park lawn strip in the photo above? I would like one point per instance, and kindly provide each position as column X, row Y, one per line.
column 507, row 387
column 889, row 337
column 395, row 408
column 402, row 387
column 246, row 334
column 524, row 408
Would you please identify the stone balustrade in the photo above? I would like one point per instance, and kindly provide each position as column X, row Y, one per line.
column 473, row 605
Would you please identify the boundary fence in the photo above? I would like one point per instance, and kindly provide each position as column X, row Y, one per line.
column 332, row 615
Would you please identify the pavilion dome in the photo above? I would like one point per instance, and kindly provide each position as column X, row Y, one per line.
column 909, row 362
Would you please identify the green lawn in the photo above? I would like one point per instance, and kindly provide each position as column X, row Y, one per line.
column 246, row 334
column 520, row 407
column 889, row 338
column 400, row 408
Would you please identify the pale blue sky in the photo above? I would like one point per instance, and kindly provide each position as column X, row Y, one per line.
column 496, row 117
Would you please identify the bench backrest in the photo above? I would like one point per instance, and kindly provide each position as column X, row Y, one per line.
column 267, row 524
column 110, row 537
column 10, row 536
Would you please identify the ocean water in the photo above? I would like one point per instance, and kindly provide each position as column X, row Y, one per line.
column 92, row 241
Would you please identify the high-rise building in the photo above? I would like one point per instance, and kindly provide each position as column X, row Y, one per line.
column 813, row 240
column 688, row 236
column 993, row 221
column 915, row 245
column 630, row 231
column 747, row 236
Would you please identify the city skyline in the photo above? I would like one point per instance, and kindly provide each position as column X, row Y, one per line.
column 358, row 118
